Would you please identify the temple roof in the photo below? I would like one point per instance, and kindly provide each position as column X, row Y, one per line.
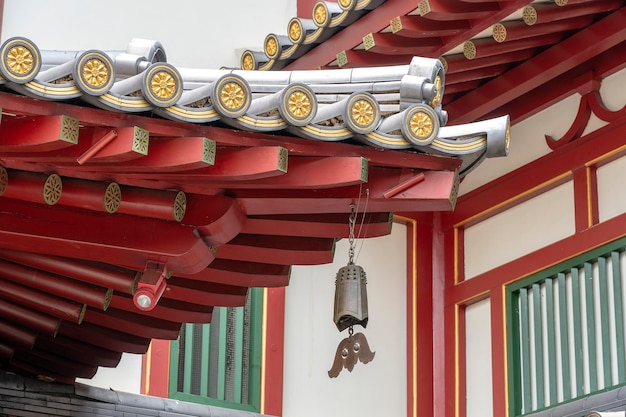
column 495, row 53
column 136, row 196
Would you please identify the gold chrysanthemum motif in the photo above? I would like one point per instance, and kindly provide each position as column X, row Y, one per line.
column 421, row 124
column 345, row 4
column 295, row 30
column 163, row 84
column 141, row 140
column 362, row 112
column 69, row 129
column 180, row 206
column 437, row 99
column 112, row 197
column 247, row 62
column 232, row 95
column 95, row 72
column 20, row 60
column 499, row 32
column 320, row 14
column 469, row 50
column 52, row 189
column 271, row 47
column 529, row 15
column 299, row 104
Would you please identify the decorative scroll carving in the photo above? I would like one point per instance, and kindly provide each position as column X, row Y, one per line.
column 590, row 102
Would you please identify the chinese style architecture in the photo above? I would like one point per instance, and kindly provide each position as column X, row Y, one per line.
column 136, row 197
column 118, row 226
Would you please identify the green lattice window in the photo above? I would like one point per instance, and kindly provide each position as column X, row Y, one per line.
column 220, row 363
column 566, row 330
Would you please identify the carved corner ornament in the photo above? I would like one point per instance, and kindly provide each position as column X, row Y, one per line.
column 350, row 350
column 590, row 102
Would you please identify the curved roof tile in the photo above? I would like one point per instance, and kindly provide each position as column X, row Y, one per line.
column 393, row 107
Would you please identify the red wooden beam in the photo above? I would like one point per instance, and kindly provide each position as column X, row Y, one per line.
column 97, row 297
column 105, row 275
column 205, row 293
column 243, row 274
column 37, row 133
column 541, row 69
column 362, row 58
column 435, row 193
column 134, row 324
column 391, row 44
column 516, row 29
column 15, row 335
column 318, row 225
column 312, row 172
column 225, row 137
column 286, row 250
column 43, row 323
column 415, row 26
column 120, row 240
column 104, row 337
column 40, row 301
column 166, row 155
column 218, row 219
column 80, row 352
column 167, row 309
column 446, row 10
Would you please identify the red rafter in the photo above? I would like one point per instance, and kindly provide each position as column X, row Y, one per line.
column 544, row 67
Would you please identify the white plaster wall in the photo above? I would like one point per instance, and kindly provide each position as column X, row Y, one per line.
column 520, row 230
column 611, row 200
column 478, row 359
column 311, row 338
column 528, row 137
column 195, row 33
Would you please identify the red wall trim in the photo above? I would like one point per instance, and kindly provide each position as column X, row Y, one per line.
column 272, row 400
column 498, row 356
column 155, row 369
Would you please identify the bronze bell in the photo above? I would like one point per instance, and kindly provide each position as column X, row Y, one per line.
column 350, row 297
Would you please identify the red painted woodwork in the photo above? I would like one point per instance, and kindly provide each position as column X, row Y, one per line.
column 541, row 69
column 17, row 336
column 44, row 324
column 97, row 297
column 33, row 134
column 156, row 369
column 242, row 273
column 286, row 250
column 105, row 337
column 73, row 350
column 318, row 225
column 133, row 323
column 167, row 309
column 29, row 186
column 66, row 310
column 274, row 351
column 205, row 293
column 122, row 240
column 415, row 26
column 390, row 44
column 106, row 275
column 546, row 172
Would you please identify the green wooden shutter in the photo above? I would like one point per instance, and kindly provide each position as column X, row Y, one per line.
column 566, row 330
column 220, row 363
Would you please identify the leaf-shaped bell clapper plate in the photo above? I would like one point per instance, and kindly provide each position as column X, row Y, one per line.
column 350, row 297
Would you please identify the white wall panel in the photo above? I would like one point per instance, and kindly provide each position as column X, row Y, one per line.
column 611, row 200
column 520, row 230
column 311, row 338
column 478, row 359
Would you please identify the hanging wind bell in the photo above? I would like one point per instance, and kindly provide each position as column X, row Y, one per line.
column 351, row 309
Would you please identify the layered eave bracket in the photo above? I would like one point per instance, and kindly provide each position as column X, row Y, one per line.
column 117, row 225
